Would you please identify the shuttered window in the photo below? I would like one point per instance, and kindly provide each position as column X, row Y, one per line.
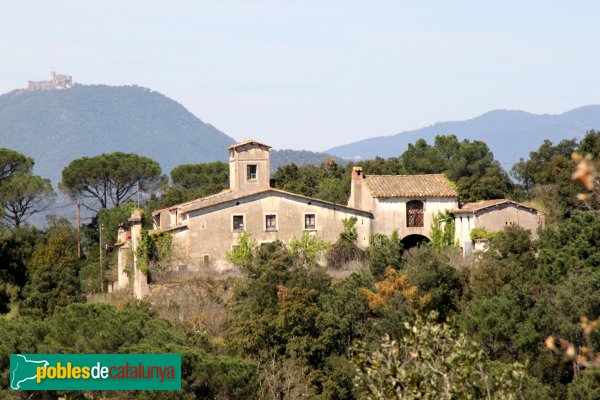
column 414, row 213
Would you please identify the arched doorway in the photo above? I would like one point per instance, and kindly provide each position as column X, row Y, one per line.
column 415, row 240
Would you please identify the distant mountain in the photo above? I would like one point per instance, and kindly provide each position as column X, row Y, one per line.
column 509, row 134
column 57, row 126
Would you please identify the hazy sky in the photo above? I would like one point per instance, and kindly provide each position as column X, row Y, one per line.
column 314, row 74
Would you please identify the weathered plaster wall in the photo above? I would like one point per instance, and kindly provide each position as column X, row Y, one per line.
column 390, row 214
column 239, row 159
column 210, row 235
column 496, row 219
column 463, row 224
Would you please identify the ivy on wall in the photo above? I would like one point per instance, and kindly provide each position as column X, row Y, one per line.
column 154, row 249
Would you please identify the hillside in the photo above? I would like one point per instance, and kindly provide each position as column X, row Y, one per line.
column 510, row 134
column 57, row 126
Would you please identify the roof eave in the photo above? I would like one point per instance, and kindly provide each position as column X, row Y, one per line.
column 356, row 210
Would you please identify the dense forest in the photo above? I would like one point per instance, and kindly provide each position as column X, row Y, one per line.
column 517, row 321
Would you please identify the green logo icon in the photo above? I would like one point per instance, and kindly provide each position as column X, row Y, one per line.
column 95, row 371
column 23, row 370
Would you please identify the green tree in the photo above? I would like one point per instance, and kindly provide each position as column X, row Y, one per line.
column 211, row 177
column 57, row 247
column 111, row 219
column 511, row 325
column 590, row 144
column 12, row 162
column 584, row 387
column 243, row 253
column 476, row 173
column 53, row 270
column 16, row 248
column 48, row 288
column 569, row 248
column 380, row 166
column 446, row 145
column 24, row 195
column 430, row 270
column 546, row 177
column 333, row 190
column 435, row 361
column 100, row 328
column 384, row 252
column 421, row 158
column 110, row 179
column 539, row 168
column 308, row 249
column 510, row 259
column 288, row 317
column 442, row 230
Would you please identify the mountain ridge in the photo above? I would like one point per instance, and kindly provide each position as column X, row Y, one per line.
column 498, row 128
column 57, row 126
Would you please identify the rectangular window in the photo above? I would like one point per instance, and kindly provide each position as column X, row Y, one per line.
column 414, row 213
column 270, row 222
column 238, row 223
column 251, row 172
column 309, row 221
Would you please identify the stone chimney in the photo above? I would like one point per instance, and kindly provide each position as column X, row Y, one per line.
column 356, row 188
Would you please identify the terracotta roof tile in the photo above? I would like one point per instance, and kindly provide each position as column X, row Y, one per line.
column 245, row 142
column 433, row 185
column 483, row 204
column 228, row 195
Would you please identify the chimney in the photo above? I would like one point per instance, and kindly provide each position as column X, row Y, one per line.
column 356, row 183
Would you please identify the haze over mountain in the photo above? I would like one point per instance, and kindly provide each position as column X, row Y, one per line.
column 509, row 134
column 57, row 126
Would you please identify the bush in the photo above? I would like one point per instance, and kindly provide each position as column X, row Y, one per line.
column 345, row 249
column 384, row 252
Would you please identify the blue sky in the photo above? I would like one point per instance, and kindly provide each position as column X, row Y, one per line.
column 314, row 74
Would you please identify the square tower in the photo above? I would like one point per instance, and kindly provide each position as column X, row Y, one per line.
column 249, row 167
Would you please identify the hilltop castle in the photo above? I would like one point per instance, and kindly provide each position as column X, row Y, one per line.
column 57, row 81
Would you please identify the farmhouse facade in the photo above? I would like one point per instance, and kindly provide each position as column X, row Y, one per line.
column 204, row 230
column 407, row 204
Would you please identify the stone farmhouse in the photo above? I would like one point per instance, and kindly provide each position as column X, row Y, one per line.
column 206, row 229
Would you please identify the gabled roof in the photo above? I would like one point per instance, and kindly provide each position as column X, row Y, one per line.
column 432, row 185
column 217, row 198
column 228, row 195
column 246, row 142
column 484, row 204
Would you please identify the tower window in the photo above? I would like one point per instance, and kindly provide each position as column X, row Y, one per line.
column 251, row 172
